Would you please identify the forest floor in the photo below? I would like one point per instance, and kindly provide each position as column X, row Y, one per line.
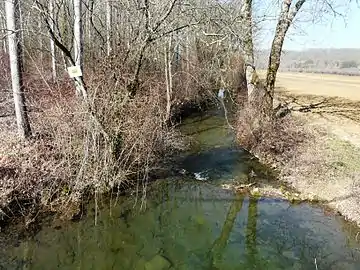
column 328, row 166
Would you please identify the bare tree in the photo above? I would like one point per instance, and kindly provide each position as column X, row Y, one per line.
column 248, row 48
column 52, row 44
column 168, row 77
column 79, row 47
column 288, row 12
column 3, row 31
column 287, row 15
column 13, row 28
column 108, row 26
column 78, row 34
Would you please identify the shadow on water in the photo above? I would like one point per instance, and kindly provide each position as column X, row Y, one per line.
column 184, row 223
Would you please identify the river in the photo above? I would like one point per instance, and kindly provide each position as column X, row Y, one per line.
column 187, row 221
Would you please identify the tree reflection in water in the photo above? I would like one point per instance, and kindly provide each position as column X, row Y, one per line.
column 221, row 242
column 251, row 250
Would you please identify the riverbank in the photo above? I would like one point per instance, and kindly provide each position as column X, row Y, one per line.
column 188, row 221
column 69, row 156
column 326, row 166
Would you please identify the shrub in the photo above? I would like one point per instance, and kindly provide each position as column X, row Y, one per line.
column 273, row 140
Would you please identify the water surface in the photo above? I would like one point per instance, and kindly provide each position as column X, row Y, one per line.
column 189, row 222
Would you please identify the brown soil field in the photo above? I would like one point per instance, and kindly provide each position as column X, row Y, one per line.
column 347, row 87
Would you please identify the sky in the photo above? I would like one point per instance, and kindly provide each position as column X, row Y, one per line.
column 327, row 32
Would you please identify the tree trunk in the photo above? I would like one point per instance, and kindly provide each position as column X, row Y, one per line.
column 89, row 42
column 108, row 27
column 41, row 45
column 21, row 38
column 78, row 47
column 248, row 47
column 168, row 75
column 3, row 30
column 286, row 17
column 52, row 44
column 78, row 34
column 13, row 27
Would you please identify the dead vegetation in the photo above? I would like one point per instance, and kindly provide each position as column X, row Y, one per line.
column 69, row 154
column 315, row 148
column 326, row 167
column 275, row 141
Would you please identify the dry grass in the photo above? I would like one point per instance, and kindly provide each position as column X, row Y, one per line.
column 69, row 153
column 328, row 168
column 274, row 141
column 323, row 160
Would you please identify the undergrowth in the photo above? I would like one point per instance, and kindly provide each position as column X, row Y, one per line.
column 274, row 140
column 69, row 153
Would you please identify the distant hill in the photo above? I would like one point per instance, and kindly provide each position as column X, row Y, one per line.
column 340, row 61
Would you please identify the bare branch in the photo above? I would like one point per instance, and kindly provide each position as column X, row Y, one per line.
column 165, row 16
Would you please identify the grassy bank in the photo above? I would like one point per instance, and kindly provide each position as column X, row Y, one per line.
column 327, row 167
column 315, row 150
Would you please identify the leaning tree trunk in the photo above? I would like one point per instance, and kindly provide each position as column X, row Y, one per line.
column 13, row 28
column 220, row 243
column 286, row 17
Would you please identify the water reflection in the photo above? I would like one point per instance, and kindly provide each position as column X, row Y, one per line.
column 185, row 227
column 251, row 251
column 221, row 242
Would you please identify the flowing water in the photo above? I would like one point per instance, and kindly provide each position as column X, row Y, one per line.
column 189, row 222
